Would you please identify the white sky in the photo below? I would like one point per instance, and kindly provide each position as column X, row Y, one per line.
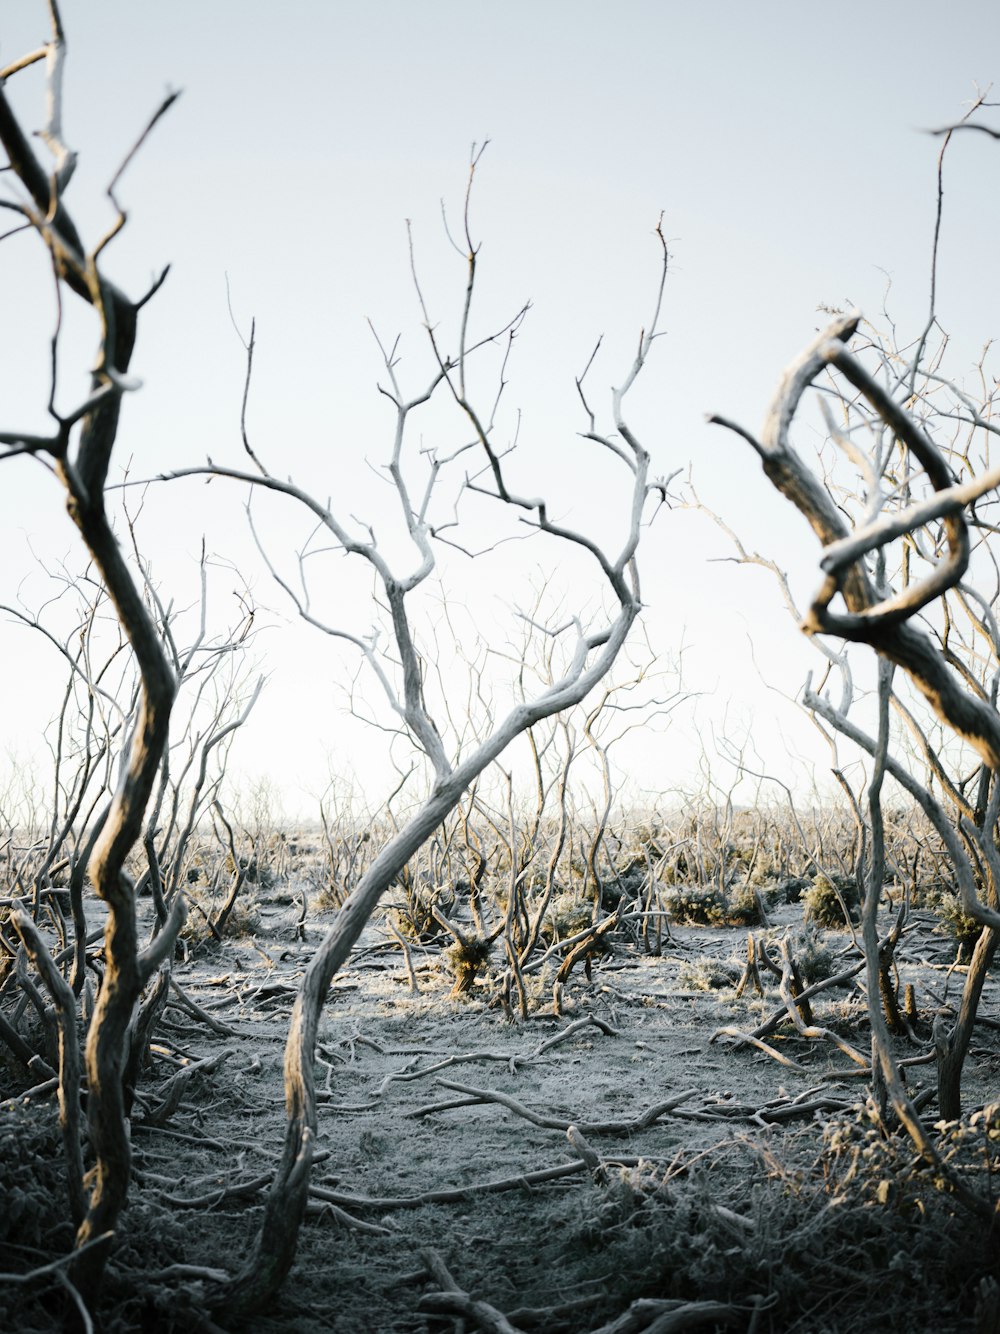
column 783, row 141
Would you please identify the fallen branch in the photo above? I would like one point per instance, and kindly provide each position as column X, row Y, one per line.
column 774, row 1021
column 453, row 1301
column 794, row 1006
column 34, row 1094
column 586, row 1151
column 461, row 1304
column 557, row 1123
column 640, row 1315
column 792, row 1110
column 588, row 1021
column 682, row 1316
column 452, row 1194
column 197, row 1012
column 339, row 1215
column 752, row 1040
column 173, row 1090
column 511, row 1060
column 209, row 1200
column 550, row 1315
column 199, row 1273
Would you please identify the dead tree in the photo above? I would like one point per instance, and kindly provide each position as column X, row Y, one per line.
column 79, row 451
column 904, row 514
column 590, row 651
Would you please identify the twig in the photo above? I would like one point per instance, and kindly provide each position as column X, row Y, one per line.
column 511, row 1060
column 81, row 1306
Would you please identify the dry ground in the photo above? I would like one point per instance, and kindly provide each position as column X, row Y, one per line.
column 403, row 1171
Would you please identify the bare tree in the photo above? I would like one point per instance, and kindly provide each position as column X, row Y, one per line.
column 590, row 648
column 904, row 512
column 78, row 451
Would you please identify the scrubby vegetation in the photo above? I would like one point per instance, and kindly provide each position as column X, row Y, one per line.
column 756, row 1194
column 695, row 1065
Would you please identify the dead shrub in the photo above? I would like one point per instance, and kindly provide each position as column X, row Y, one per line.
column 815, row 1246
column 708, row 905
column 708, row 975
column 826, row 901
column 813, row 956
column 467, row 958
column 958, row 926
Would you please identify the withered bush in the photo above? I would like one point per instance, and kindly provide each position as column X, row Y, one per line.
column 708, row 905
column 861, row 1239
column 813, row 956
column 826, row 900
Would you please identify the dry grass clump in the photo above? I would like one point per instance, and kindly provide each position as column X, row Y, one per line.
column 413, row 916
column 706, row 974
column 880, row 1166
column 958, row 926
column 567, row 915
column 826, row 902
column 467, row 958
column 243, row 920
column 708, row 905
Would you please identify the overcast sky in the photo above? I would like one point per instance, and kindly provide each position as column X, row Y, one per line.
column 784, row 143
